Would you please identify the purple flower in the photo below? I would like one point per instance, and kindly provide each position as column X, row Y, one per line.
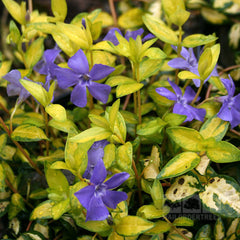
column 230, row 110
column 182, row 106
column 46, row 65
column 79, row 76
column 95, row 153
column 188, row 61
column 129, row 34
column 14, row 87
column 98, row 195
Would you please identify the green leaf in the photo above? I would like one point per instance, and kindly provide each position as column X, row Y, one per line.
column 133, row 225
column 160, row 227
column 160, row 30
column 56, row 180
column 219, row 229
column 183, row 187
column 151, row 212
column 222, row 197
column 119, row 80
column 187, row 75
column 96, row 133
column 124, row 157
column 149, row 67
column 222, row 152
column 57, row 112
column 34, row 52
column 17, row 11
column 52, row 157
column 37, row 91
column 59, row 9
column 179, row 165
column 186, row 138
column 42, row 211
column 60, row 208
column 98, row 121
column 208, row 60
column 131, row 18
column 28, row 133
column 155, row 53
column 157, row 194
column 195, row 40
column 173, row 119
column 2, row 179
column 179, row 17
column 67, row 126
column 126, row 89
column 113, row 114
column 214, row 127
column 14, row 32
column 183, row 221
column 205, row 232
column 109, row 155
column 3, row 141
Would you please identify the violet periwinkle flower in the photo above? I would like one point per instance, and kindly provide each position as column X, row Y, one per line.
column 97, row 196
column 46, row 65
column 188, row 61
column 182, row 102
column 129, row 34
column 14, row 87
column 95, row 153
column 230, row 110
column 82, row 79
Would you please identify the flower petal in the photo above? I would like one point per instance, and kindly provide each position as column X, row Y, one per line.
column 176, row 88
column 85, row 194
column 236, row 101
column 116, row 180
column 100, row 71
column 111, row 36
column 13, row 77
column 166, row 93
column 236, row 117
column 51, row 54
column 65, row 77
column 78, row 62
column 225, row 113
column 99, row 173
column 178, row 63
column 189, row 94
column 99, row 91
column 229, row 85
column 196, row 113
column 178, row 108
column 95, row 153
column 79, row 95
column 41, row 67
column 134, row 34
column 113, row 198
column 148, row 37
column 96, row 210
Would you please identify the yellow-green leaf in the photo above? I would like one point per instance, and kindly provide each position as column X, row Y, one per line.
column 60, row 208
column 179, row 165
column 28, row 133
column 57, row 112
column 151, row 212
column 213, row 16
column 59, row 9
column 42, row 211
column 187, row 75
column 34, row 52
column 126, row 89
column 160, row 227
column 195, row 40
column 133, row 225
column 160, row 30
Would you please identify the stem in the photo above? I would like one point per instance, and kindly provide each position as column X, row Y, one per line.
column 179, row 232
column 135, row 102
column 113, row 12
column 12, row 115
column 32, row 163
column 229, row 68
column 179, row 48
column 4, row 108
column 197, row 94
column 138, row 182
column 139, row 107
column 30, row 6
column 235, row 132
column 46, row 128
column 15, row 191
column 126, row 102
column 208, row 91
column 28, row 226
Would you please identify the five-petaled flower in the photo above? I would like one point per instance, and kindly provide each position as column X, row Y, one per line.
column 97, row 196
column 182, row 101
column 188, row 61
column 111, row 35
column 81, row 78
column 230, row 110
column 14, row 87
column 95, row 153
column 46, row 65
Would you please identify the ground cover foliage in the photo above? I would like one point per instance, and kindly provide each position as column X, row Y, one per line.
column 120, row 124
